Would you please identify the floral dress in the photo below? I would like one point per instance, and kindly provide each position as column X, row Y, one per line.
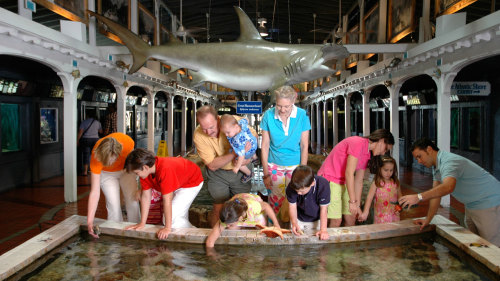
column 384, row 210
column 255, row 214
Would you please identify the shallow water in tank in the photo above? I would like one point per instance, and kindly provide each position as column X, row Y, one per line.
column 422, row 257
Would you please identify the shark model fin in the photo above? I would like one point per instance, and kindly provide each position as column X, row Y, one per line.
column 248, row 32
column 136, row 46
column 172, row 39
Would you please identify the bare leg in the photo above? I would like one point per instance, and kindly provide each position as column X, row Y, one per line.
column 215, row 214
column 239, row 164
column 85, row 169
column 334, row 222
column 350, row 220
column 245, row 170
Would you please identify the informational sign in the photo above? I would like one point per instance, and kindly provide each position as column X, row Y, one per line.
column 249, row 107
column 479, row 88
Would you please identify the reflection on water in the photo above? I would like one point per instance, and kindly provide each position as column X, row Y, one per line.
column 111, row 258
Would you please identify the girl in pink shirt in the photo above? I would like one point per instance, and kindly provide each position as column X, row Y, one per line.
column 345, row 168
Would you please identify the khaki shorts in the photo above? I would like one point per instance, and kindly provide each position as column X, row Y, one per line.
column 339, row 201
column 485, row 223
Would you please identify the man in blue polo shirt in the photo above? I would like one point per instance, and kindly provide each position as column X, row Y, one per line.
column 470, row 184
column 309, row 196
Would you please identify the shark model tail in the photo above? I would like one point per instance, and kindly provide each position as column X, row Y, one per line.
column 139, row 49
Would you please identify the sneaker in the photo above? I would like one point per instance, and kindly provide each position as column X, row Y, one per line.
column 246, row 178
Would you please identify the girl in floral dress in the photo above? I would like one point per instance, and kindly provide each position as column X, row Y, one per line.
column 243, row 210
column 386, row 191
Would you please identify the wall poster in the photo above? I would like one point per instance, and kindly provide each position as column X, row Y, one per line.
column 446, row 7
column 74, row 10
column 401, row 19
column 147, row 25
column 48, row 125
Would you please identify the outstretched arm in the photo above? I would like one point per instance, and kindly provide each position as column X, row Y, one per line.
column 145, row 204
column 292, row 210
column 438, row 190
column 304, row 147
column 167, row 212
column 434, row 202
column 264, row 156
column 214, row 234
column 270, row 213
column 323, row 221
column 368, row 202
column 95, row 193
column 352, row 162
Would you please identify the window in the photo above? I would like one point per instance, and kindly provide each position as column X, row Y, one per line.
column 11, row 129
column 474, row 128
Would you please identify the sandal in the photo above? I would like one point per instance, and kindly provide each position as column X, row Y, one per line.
column 246, row 178
column 256, row 162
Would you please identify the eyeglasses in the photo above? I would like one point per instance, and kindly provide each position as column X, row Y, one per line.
column 284, row 106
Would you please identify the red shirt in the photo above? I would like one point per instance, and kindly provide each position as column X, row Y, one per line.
column 171, row 174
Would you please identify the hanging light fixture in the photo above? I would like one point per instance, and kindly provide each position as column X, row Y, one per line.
column 262, row 28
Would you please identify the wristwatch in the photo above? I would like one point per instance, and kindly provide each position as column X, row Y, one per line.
column 419, row 197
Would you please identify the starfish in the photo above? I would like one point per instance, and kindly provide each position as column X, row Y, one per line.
column 272, row 231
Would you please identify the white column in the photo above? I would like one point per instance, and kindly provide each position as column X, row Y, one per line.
column 335, row 121
column 183, row 125
column 318, row 126
column 424, row 26
column 121, row 108
column 361, row 25
column 193, row 118
column 170, row 127
column 151, row 121
column 394, row 119
column 134, row 27
column 157, row 23
column 23, row 12
column 92, row 25
column 313, row 131
column 443, row 117
column 69, row 135
column 325, row 123
column 347, row 115
column 382, row 25
column 366, row 112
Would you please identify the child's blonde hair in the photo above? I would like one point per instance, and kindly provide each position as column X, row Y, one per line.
column 378, row 175
column 108, row 149
column 228, row 119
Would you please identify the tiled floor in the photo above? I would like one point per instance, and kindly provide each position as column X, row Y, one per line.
column 27, row 211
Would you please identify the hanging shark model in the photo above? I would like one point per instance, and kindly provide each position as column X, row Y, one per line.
column 248, row 64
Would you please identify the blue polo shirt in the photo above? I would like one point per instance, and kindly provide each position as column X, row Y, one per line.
column 284, row 146
column 475, row 188
column 308, row 204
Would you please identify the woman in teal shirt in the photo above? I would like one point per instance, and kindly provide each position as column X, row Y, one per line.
column 285, row 140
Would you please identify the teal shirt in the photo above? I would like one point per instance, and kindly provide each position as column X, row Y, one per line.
column 284, row 150
column 475, row 187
